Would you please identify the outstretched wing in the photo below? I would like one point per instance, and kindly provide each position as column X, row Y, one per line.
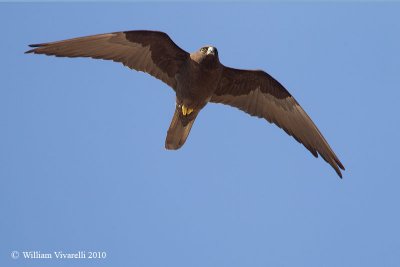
column 258, row 94
column 148, row 51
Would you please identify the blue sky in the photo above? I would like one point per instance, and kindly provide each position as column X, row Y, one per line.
column 83, row 164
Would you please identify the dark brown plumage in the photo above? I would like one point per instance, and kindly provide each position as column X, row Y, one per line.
column 199, row 78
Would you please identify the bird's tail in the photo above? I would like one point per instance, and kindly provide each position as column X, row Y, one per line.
column 179, row 129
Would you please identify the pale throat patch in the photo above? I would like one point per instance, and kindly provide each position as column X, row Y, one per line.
column 210, row 50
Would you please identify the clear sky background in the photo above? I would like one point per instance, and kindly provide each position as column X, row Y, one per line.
column 82, row 158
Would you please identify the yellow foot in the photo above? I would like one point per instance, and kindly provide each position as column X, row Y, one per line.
column 186, row 110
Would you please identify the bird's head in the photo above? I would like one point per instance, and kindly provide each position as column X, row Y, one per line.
column 209, row 51
column 207, row 55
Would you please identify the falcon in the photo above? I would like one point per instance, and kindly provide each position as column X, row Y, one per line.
column 197, row 79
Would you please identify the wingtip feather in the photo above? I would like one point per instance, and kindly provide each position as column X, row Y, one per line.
column 340, row 165
column 35, row 47
column 336, row 167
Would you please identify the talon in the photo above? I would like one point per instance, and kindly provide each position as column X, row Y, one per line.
column 186, row 110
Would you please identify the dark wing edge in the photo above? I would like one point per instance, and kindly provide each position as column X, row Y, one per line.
column 259, row 94
column 152, row 52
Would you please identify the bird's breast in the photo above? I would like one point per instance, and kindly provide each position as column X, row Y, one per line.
column 195, row 86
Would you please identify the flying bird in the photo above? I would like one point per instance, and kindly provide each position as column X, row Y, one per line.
column 197, row 79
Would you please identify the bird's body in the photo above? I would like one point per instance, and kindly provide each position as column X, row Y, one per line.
column 197, row 79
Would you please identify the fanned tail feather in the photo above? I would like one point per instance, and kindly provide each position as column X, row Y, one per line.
column 179, row 129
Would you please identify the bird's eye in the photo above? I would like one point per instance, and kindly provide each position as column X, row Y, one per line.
column 203, row 49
